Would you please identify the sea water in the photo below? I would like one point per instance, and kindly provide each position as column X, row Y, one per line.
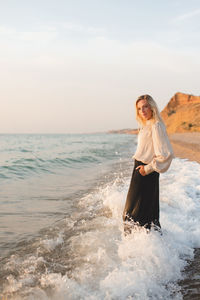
column 61, row 231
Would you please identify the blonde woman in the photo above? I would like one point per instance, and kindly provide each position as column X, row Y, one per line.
column 153, row 156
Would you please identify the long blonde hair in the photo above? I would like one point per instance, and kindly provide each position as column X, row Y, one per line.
column 155, row 112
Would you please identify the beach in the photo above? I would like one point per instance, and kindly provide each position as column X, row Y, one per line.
column 186, row 145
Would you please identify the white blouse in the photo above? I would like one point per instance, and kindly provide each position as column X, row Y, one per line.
column 154, row 148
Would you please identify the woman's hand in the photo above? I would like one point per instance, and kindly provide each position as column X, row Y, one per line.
column 141, row 170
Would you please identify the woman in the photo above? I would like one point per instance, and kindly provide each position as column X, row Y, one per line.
column 153, row 156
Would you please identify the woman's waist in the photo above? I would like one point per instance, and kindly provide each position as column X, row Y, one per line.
column 138, row 163
column 144, row 158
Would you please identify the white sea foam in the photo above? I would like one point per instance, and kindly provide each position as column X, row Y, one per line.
column 51, row 244
column 109, row 265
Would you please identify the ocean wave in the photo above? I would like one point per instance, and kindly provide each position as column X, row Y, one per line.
column 24, row 156
column 87, row 255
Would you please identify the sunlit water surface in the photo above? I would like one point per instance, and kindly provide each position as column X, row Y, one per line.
column 61, row 231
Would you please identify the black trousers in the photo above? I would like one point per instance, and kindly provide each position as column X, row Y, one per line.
column 142, row 202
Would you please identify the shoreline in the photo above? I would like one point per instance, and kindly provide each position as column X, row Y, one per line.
column 186, row 145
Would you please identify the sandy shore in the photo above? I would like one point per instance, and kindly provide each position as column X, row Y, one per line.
column 186, row 145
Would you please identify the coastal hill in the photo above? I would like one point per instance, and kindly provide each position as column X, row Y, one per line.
column 182, row 113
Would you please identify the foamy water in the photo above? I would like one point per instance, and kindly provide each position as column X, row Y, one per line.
column 87, row 256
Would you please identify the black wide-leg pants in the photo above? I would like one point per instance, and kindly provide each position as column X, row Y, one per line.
column 142, row 203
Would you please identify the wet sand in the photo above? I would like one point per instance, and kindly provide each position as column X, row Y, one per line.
column 186, row 145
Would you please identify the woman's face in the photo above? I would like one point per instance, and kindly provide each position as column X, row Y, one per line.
column 144, row 110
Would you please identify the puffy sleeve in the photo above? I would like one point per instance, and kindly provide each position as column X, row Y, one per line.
column 163, row 152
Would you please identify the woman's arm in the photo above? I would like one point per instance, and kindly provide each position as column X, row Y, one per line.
column 162, row 149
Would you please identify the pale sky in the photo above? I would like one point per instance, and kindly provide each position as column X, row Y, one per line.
column 78, row 66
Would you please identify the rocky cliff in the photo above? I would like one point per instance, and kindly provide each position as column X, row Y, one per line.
column 182, row 113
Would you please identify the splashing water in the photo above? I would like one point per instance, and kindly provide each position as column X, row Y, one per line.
column 87, row 256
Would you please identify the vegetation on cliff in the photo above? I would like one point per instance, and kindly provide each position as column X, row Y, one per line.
column 182, row 113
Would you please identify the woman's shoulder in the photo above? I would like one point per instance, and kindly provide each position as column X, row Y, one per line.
column 159, row 128
column 158, row 125
column 154, row 125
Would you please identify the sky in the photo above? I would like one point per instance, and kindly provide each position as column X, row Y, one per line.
column 78, row 66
